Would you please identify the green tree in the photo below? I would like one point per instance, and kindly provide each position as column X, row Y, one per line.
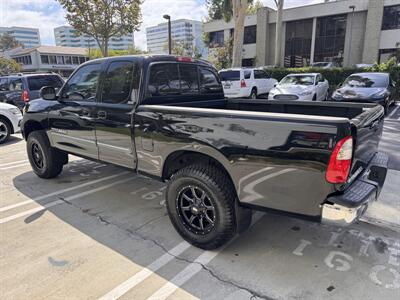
column 222, row 56
column 254, row 7
column 103, row 19
column 8, row 66
column 236, row 10
column 7, row 42
column 96, row 53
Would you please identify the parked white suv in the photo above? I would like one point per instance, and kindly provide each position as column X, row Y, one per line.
column 246, row 82
column 10, row 119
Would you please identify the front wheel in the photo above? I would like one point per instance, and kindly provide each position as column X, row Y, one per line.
column 5, row 130
column 201, row 206
column 46, row 161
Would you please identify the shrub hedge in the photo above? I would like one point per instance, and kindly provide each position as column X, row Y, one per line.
column 335, row 76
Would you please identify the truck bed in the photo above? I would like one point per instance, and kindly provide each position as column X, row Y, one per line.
column 276, row 152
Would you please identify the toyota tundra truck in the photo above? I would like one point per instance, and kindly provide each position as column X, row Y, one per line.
column 166, row 117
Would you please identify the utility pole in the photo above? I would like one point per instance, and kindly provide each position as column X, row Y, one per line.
column 168, row 17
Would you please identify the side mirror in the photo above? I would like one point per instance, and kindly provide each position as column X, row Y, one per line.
column 48, row 93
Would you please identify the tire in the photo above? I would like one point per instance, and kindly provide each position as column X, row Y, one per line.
column 253, row 94
column 386, row 108
column 326, row 96
column 5, row 130
column 314, row 97
column 46, row 161
column 220, row 195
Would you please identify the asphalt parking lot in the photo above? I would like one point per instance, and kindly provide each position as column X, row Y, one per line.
column 99, row 231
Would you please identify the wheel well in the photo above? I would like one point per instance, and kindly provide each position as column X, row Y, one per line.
column 31, row 126
column 254, row 89
column 8, row 123
column 181, row 159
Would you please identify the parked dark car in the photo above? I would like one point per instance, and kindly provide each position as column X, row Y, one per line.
column 166, row 117
column 367, row 87
column 20, row 88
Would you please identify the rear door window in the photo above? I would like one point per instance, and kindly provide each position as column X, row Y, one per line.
column 209, row 81
column 15, row 84
column 164, row 80
column 229, row 75
column 35, row 83
column 247, row 74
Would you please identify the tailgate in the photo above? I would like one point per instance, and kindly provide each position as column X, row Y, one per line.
column 367, row 131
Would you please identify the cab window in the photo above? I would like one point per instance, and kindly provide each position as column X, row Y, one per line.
column 15, row 85
column 82, row 86
column 118, row 81
column 209, row 81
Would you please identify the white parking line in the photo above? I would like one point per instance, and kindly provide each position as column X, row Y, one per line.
column 192, row 269
column 14, row 162
column 15, row 166
column 393, row 112
column 53, row 203
column 39, row 198
column 145, row 273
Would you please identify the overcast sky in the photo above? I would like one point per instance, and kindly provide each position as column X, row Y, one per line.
column 47, row 14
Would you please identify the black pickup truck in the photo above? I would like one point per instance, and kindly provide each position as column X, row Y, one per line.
column 166, row 117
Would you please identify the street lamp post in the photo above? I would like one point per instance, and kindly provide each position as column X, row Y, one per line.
column 168, row 17
column 352, row 7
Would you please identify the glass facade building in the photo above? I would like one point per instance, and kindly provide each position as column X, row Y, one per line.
column 25, row 36
column 67, row 36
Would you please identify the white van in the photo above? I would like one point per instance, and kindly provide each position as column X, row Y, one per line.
column 246, row 82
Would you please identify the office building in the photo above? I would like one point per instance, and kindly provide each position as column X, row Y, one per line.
column 25, row 36
column 67, row 36
column 183, row 31
column 347, row 31
column 61, row 60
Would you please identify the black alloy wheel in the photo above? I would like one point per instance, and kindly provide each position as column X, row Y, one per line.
column 196, row 209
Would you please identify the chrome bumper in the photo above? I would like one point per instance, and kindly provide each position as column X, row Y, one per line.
column 339, row 215
column 344, row 209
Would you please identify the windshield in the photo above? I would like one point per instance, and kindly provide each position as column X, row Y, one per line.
column 320, row 64
column 298, row 80
column 366, row 81
column 37, row 82
column 229, row 75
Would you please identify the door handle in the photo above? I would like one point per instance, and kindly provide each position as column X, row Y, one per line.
column 101, row 114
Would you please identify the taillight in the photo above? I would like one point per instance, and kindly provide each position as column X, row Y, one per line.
column 25, row 96
column 242, row 83
column 340, row 161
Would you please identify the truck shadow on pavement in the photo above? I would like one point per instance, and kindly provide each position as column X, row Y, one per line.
column 278, row 257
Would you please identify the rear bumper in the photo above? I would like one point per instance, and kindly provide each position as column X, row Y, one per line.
column 345, row 209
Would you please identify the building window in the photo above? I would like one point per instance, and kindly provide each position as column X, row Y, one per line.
column 330, row 37
column 386, row 54
column 60, row 60
column 216, row 39
column 44, row 59
column 298, row 43
column 250, row 35
column 24, row 60
column 81, row 59
column 68, row 60
column 391, row 17
column 248, row 62
column 52, row 59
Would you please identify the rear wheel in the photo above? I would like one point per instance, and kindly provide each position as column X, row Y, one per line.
column 201, row 206
column 46, row 161
column 5, row 130
column 314, row 97
column 253, row 94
